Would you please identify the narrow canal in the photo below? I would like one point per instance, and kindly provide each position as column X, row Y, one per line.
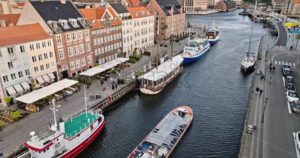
column 213, row 87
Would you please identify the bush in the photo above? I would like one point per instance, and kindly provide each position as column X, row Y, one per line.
column 165, row 53
column 96, row 64
column 1, row 123
column 88, row 82
column 7, row 100
column 138, row 74
column 155, row 59
column 81, row 79
column 16, row 114
column 78, row 85
column 132, row 60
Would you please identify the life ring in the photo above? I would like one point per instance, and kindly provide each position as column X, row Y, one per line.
column 189, row 54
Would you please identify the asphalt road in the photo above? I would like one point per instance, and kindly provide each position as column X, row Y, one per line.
column 282, row 35
column 279, row 124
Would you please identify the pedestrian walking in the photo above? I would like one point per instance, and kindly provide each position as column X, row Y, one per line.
column 273, row 68
column 260, row 91
column 257, row 90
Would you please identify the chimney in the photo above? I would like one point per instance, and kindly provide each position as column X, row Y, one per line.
column 63, row 1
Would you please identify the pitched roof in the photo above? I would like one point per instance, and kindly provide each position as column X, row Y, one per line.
column 166, row 6
column 95, row 14
column 296, row 1
column 10, row 18
column 139, row 12
column 119, row 8
column 22, row 34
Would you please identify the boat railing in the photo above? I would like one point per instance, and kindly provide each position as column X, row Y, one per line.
column 92, row 111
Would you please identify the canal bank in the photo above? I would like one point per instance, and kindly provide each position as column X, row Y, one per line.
column 213, row 87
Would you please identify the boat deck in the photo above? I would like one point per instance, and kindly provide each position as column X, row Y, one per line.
column 78, row 123
column 164, row 137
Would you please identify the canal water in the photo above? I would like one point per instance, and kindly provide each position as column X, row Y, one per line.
column 214, row 87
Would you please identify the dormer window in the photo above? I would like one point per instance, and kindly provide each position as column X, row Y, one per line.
column 148, row 12
column 64, row 24
column 74, row 23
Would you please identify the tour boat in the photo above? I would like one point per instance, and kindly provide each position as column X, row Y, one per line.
column 213, row 35
column 248, row 62
column 67, row 139
column 155, row 80
column 162, row 140
column 194, row 49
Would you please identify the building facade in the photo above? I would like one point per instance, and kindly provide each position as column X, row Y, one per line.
column 15, row 68
column 143, row 28
column 10, row 7
column 8, row 19
column 291, row 8
column 70, row 31
column 197, row 5
column 169, row 18
column 278, row 4
column 106, row 33
column 127, row 25
column 225, row 5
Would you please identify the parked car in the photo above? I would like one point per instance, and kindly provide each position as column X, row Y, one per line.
column 285, row 66
column 290, row 87
column 291, row 96
column 289, row 79
column 296, row 106
column 297, row 139
column 286, row 72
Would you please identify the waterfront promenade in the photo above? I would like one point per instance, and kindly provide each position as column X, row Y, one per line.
column 14, row 135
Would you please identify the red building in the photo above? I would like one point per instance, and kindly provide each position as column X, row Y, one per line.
column 106, row 33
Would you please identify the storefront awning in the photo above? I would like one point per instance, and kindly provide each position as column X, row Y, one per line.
column 10, row 90
column 46, row 78
column 36, row 95
column 18, row 88
column 103, row 67
column 40, row 80
column 25, row 85
column 51, row 75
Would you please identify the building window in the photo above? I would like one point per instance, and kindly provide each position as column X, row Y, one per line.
column 49, row 43
column 61, row 54
column 40, row 57
column 38, row 46
column 22, row 49
column 0, row 53
column 68, row 37
column 86, row 34
column 5, row 79
column 45, row 55
column 58, row 39
column 81, row 48
column 33, row 58
column 20, row 73
column 88, row 47
column 10, row 51
column 76, row 50
column 77, row 63
column 42, row 68
column 83, row 62
column 74, row 36
column 31, row 46
column 13, row 76
column 79, row 35
column 70, row 51
column 47, row 66
column 53, row 64
column 43, row 44
column 72, row 65
column 51, row 54
column 10, row 65
column 27, row 72
column 89, row 59
column 36, row 69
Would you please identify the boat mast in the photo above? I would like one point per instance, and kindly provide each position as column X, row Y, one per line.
column 85, row 100
column 53, row 108
column 251, row 31
column 172, row 36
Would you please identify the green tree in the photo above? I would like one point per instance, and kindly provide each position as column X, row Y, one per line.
column 7, row 100
column 16, row 114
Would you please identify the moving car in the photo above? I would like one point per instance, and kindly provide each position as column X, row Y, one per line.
column 285, row 66
column 286, row 72
column 291, row 96
column 297, row 139
column 296, row 106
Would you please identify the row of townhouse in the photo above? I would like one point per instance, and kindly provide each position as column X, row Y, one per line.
column 53, row 40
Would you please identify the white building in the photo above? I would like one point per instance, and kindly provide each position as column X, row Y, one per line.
column 143, row 28
column 127, row 25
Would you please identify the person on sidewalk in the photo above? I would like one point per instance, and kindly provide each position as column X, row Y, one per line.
column 260, row 92
column 257, row 90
